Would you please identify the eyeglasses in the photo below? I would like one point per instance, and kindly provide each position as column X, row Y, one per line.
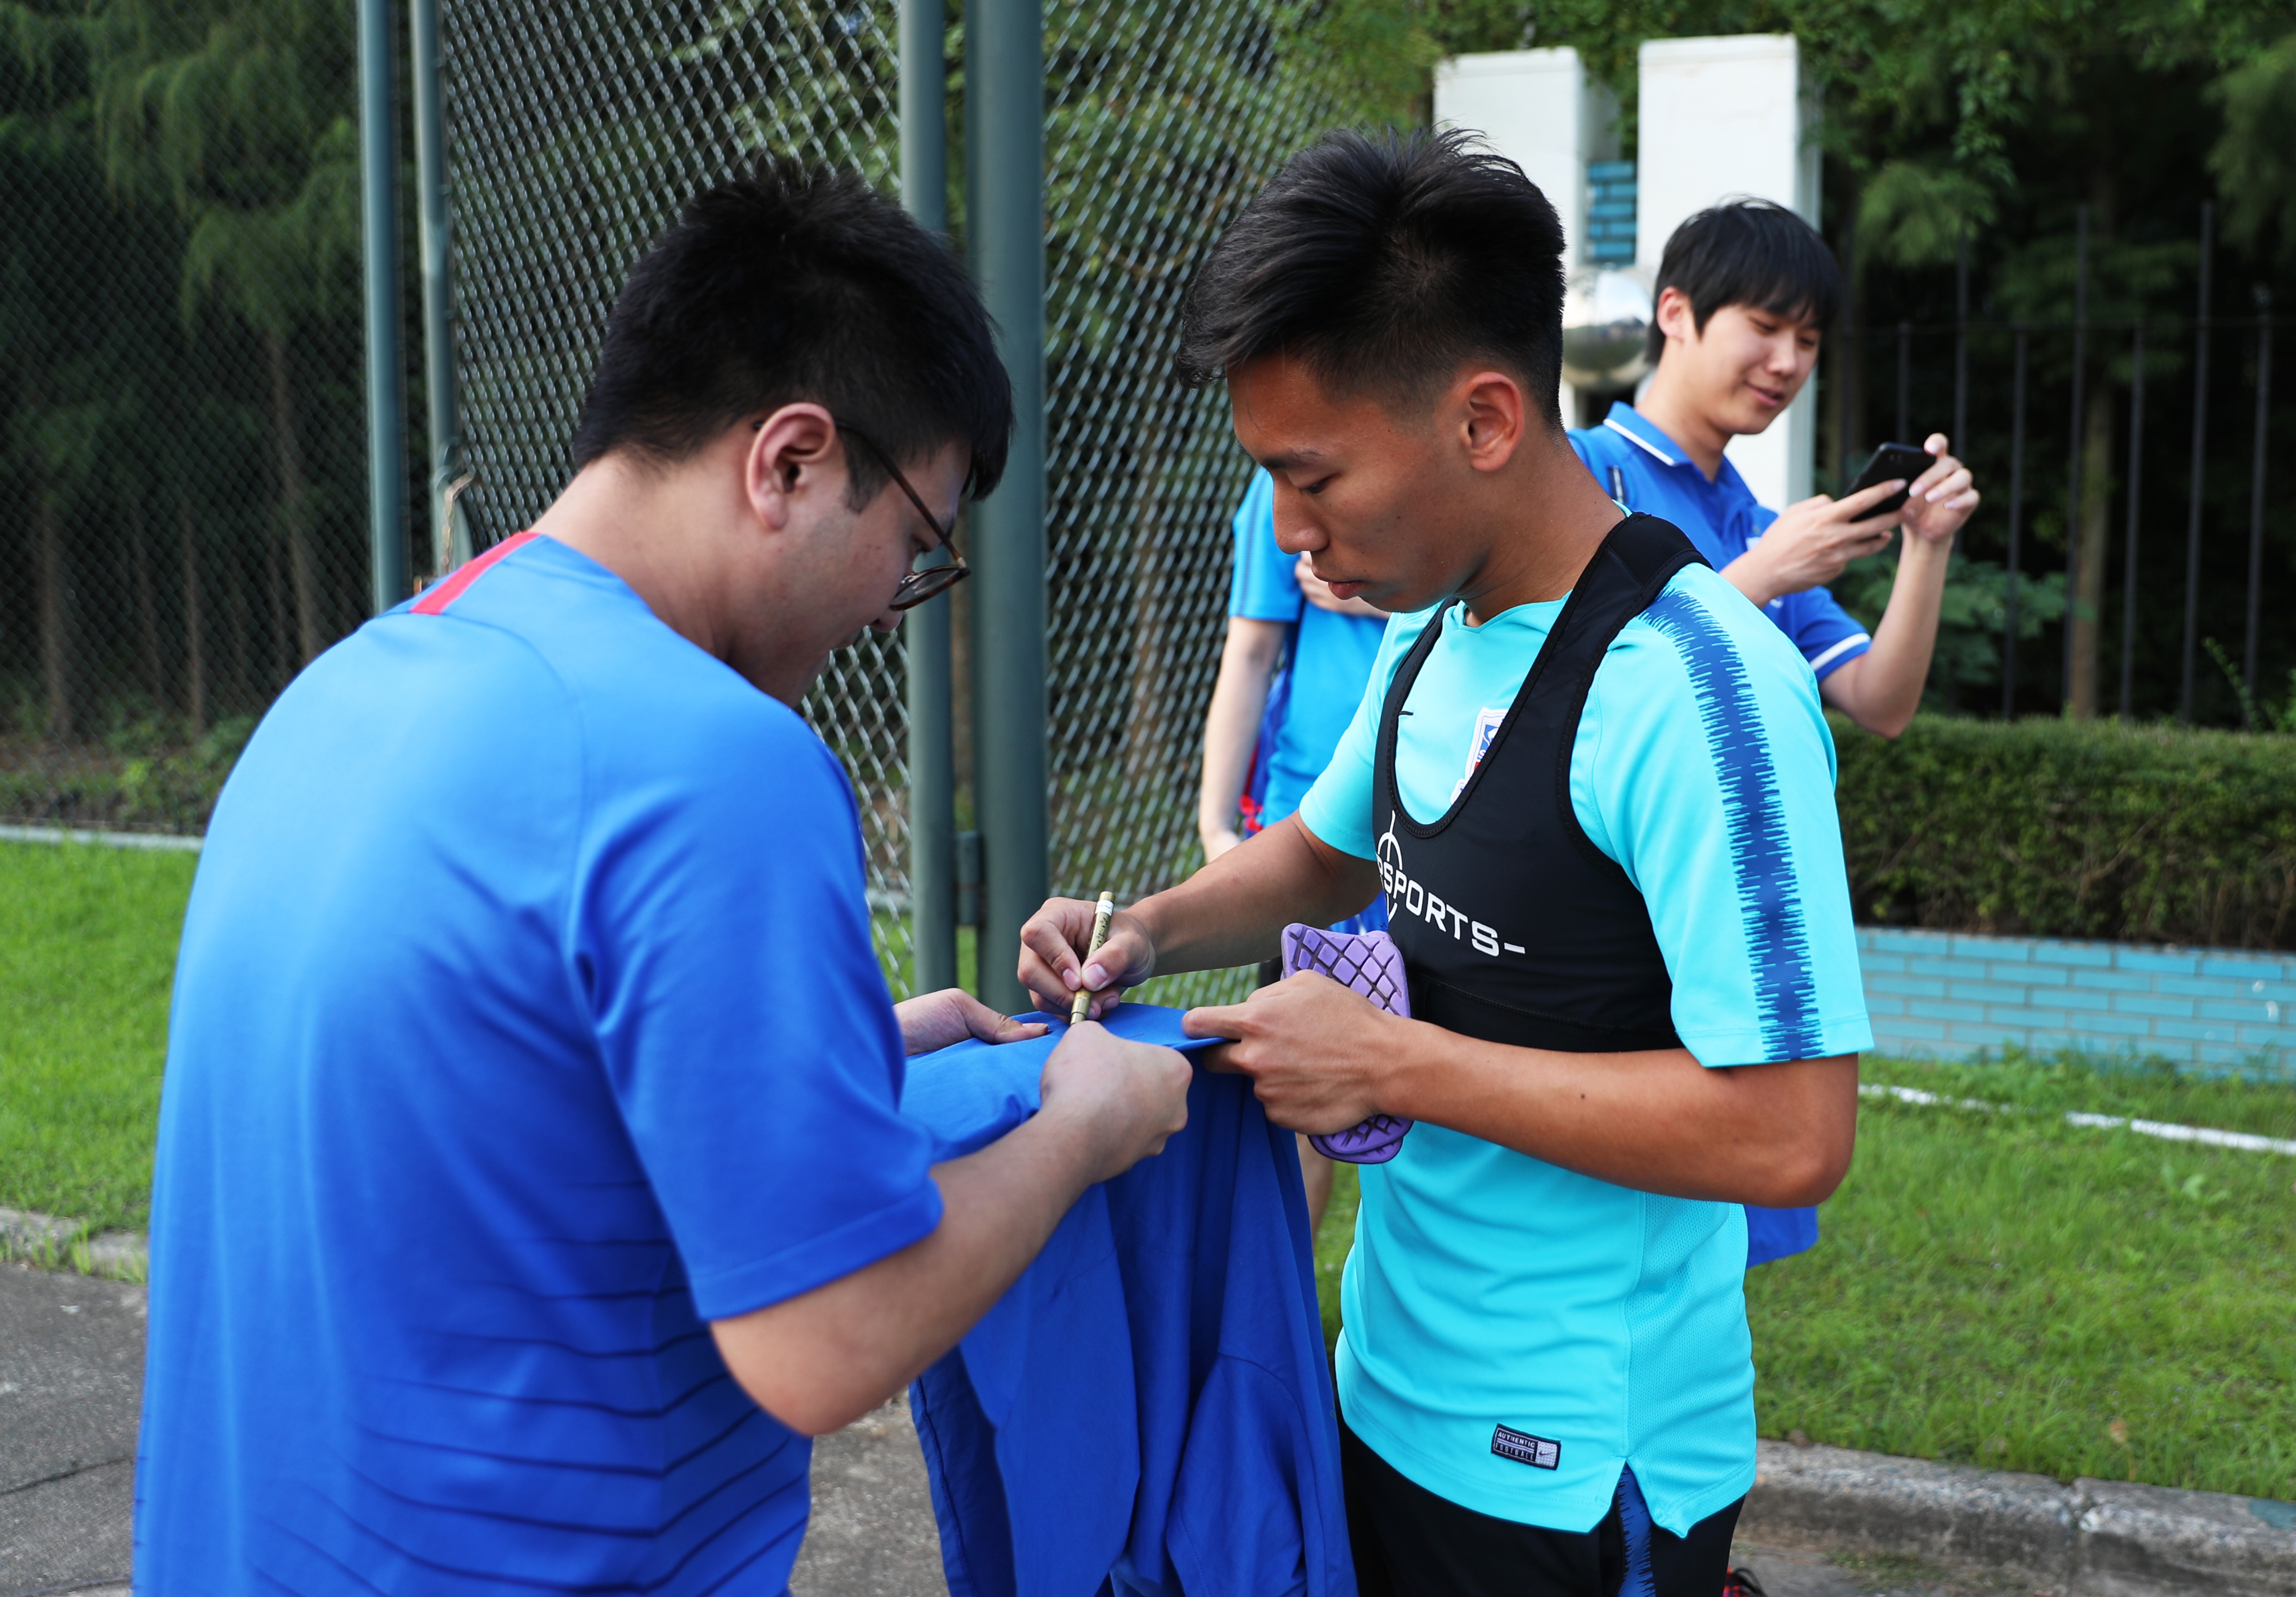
column 922, row 582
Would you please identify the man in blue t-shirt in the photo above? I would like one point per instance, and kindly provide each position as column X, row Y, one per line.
column 1591, row 785
column 1291, row 673
column 531, row 1178
column 1745, row 291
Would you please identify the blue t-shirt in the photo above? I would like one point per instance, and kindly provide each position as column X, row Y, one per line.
column 526, row 1020
column 1487, row 1288
column 1331, row 654
column 1722, row 518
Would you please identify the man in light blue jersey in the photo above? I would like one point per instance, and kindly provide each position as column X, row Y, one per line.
column 1591, row 786
column 1745, row 291
column 532, row 1181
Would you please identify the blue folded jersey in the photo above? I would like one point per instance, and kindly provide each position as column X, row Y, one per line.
column 971, row 1092
column 1773, row 1233
column 1148, row 1411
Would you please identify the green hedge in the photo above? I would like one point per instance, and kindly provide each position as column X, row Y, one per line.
column 2073, row 830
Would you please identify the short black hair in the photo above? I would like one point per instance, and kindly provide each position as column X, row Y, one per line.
column 1383, row 261
column 796, row 282
column 1749, row 252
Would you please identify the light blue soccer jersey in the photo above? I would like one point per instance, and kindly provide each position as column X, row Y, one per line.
column 1648, row 471
column 1487, row 1287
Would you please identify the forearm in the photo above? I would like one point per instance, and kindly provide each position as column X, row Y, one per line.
column 1232, row 912
column 1881, row 689
column 1232, row 724
column 1752, row 575
column 820, row 1361
column 1660, row 1122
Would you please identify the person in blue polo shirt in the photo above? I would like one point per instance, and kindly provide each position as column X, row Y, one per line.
column 530, row 1177
column 1746, row 290
column 1291, row 671
column 1593, row 787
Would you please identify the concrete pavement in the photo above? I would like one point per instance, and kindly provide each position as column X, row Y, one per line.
column 72, row 1383
column 71, row 1356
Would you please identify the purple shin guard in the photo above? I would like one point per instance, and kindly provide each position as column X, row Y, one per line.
column 1370, row 963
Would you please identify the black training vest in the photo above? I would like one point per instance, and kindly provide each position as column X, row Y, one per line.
column 1514, row 927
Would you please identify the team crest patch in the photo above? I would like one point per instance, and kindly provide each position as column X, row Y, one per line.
column 1524, row 1448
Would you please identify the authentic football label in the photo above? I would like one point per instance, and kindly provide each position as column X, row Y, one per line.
column 1524, row 1448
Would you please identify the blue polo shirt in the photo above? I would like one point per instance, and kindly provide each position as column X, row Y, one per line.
column 1646, row 470
column 526, row 1021
column 1487, row 1288
column 1330, row 655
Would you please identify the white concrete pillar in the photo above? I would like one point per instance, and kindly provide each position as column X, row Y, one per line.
column 1535, row 107
column 1722, row 119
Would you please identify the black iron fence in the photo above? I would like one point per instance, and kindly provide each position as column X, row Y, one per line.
column 2134, row 554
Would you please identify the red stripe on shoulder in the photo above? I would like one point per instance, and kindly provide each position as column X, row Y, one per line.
column 441, row 595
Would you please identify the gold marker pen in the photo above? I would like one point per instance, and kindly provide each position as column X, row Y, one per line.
column 1100, row 915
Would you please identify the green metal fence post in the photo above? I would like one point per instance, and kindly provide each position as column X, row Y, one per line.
column 1004, row 140
column 925, row 633
column 443, row 397
column 386, row 398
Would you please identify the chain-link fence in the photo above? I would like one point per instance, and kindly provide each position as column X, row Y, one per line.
column 1163, row 119
column 181, row 482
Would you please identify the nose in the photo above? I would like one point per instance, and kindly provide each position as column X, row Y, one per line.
column 1296, row 533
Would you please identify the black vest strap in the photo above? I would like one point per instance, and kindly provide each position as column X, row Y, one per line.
column 1514, row 926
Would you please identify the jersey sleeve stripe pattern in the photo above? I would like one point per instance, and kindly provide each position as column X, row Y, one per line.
column 1851, row 642
column 442, row 594
column 1777, row 940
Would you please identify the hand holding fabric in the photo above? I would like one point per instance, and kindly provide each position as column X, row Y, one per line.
column 1314, row 1050
column 932, row 1021
column 1128, row 1096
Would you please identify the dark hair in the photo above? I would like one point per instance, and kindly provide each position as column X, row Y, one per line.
column 1749, row 252
column 1382, row 263
column 794, row 282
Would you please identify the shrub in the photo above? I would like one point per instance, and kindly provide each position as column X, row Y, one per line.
column 2073, row 830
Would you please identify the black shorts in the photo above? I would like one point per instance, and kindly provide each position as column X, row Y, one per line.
column 1410, row 1542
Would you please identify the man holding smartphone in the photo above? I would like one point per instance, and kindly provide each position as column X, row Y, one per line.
column 1745, row 292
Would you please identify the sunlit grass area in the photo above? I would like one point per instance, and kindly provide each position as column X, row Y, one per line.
column 2003, row 1288
column 1995, row 1285
column 88, row 951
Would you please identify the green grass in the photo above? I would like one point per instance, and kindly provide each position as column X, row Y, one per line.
column 87, row 948
column 2007, row 1290
column 1994, row 1287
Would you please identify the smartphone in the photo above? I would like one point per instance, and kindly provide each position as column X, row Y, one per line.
column 1891, row 460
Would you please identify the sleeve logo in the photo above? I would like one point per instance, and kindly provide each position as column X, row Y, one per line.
column 1524, row 1448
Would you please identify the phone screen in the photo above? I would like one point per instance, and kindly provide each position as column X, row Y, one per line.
column 1888, row 461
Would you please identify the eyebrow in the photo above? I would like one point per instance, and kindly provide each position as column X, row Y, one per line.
column 1308, row 455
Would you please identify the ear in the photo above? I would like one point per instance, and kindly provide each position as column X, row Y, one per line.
column 793, row 454
column 1494, row 414
column 1677, row 318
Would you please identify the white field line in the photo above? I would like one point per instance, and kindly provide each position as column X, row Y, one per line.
column 2248, row 1142
column 167, row 841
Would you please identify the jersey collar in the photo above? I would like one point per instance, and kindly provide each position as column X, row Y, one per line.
column 1627, row 422
column 1636, row 428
